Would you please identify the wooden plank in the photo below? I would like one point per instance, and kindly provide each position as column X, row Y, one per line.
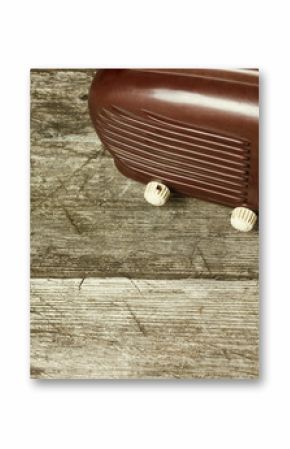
column 130, row 328
column 89, row 220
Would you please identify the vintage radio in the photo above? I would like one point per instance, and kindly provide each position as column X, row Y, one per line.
column 192, row 131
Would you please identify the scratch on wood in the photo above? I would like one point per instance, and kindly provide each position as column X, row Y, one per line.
column 81, row 283
column 135, row 285
column 85, row 181
column 193, row 253
column 61, row 183
column 137, row 321
column 77, row 170
column 204, row 259
column 71, row 220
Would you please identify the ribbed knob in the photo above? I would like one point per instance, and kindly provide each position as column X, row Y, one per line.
column 243, row 219
column 156, row 193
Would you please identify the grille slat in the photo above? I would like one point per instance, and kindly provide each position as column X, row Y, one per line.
column 214, row 174
column 171, row 171
column 170, row 148
column 207, row 163
column 202, row 176
column 207, row 191
column 180, row 127
column 189, row 147
column 169, row 134
column 188, row 159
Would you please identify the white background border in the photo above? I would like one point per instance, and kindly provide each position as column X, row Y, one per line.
column 175, row 414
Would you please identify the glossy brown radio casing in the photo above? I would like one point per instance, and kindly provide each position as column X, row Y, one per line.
column 195, row 130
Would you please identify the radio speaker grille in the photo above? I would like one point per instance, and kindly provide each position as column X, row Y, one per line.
column 210, row 164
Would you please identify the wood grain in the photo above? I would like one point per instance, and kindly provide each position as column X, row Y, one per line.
column 129, row 328
column 89, row 220
column 137, row 292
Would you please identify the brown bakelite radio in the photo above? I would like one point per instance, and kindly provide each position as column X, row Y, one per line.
column 191, row 131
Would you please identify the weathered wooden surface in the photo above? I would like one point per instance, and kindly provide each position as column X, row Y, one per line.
column 130, row 328
column 87, row 220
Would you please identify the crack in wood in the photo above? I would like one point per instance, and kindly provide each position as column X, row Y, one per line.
column 204, row 260
column 137, row 321
column 81, row 283
column 135, row 285
column 71, row 220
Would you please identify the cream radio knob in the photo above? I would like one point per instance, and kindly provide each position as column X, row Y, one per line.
column 243, row 219
column 156, row 193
